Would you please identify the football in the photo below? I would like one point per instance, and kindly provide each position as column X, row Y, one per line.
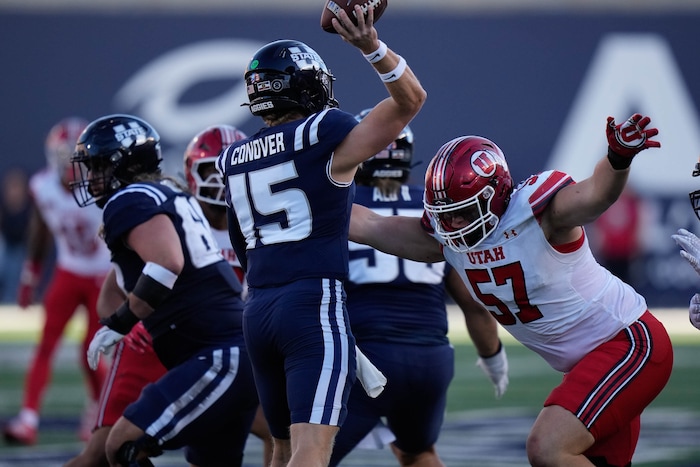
column 331, row 9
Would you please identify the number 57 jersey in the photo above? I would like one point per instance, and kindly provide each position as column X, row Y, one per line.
column 557, row 301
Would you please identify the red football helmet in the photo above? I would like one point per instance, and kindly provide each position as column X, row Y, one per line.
column 60, row 143
column 200, row 157
column 467, row 190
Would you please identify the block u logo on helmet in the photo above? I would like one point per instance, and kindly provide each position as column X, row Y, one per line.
column 484, row 163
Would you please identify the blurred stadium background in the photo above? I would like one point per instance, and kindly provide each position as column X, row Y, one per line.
column 539, row 77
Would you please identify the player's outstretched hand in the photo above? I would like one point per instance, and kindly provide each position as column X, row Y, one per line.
column 102, row 343
column 690, row 245
column 694, row 310
column 496, row 368
column 363, row 36
column 629, row 138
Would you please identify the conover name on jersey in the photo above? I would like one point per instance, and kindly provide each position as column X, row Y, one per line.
column 257, row 148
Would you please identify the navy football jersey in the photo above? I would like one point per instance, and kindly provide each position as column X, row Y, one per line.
column 292, row 219
column 204, row 308
column 390, row 298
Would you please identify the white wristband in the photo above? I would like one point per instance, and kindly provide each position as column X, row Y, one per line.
column 378, row 54
column 396, row 73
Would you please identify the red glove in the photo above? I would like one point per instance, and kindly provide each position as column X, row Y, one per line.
column 28, row 281
column 139, row 340
column 629, row 138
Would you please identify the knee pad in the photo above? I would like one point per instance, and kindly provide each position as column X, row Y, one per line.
column 149, row 445
column 129, row 451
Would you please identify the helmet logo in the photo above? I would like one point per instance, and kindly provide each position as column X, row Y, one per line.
column 262, row 106
column 484, row 163
column 135, row 134
column 277, row 85
column 388, row 173
column 254, row 64
column 304, row 60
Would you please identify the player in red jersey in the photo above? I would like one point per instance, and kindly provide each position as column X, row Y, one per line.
column 82, row 261
column 523, row 253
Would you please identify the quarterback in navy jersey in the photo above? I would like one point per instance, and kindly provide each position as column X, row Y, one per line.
column 398, row 315
column 173, row 278
column 290, row 192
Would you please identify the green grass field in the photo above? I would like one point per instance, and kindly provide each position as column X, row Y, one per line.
column 479, row 430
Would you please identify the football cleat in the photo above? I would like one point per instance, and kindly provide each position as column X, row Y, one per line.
column 19, row 433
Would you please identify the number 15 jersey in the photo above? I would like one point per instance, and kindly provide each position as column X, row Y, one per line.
column 288, row 218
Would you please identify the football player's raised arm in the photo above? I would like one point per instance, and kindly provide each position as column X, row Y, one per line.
column 396, row 235
column 388, row 118
column 584, row 202
column 581, row 203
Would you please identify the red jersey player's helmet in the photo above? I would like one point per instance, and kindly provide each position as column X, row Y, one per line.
column 60, row 143
column 467, row 190
column 200, row 157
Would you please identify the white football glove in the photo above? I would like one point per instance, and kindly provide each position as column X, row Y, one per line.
column 690, row 245
column 103, row 341
column 694, row 310
column 496, row 368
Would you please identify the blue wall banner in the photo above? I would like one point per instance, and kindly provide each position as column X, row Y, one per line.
column 539, row 84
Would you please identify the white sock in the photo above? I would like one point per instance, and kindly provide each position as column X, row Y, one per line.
column 29, row 417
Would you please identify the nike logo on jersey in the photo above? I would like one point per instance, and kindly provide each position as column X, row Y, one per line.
column 258, row 148
column 486, row 256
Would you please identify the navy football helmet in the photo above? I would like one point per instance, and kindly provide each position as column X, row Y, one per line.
column 112, row 152
column 285, row 75
column 392, row 162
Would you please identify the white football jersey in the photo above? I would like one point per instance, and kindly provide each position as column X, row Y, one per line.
column 224, row 242
column 75, row 230
column 559, row 302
